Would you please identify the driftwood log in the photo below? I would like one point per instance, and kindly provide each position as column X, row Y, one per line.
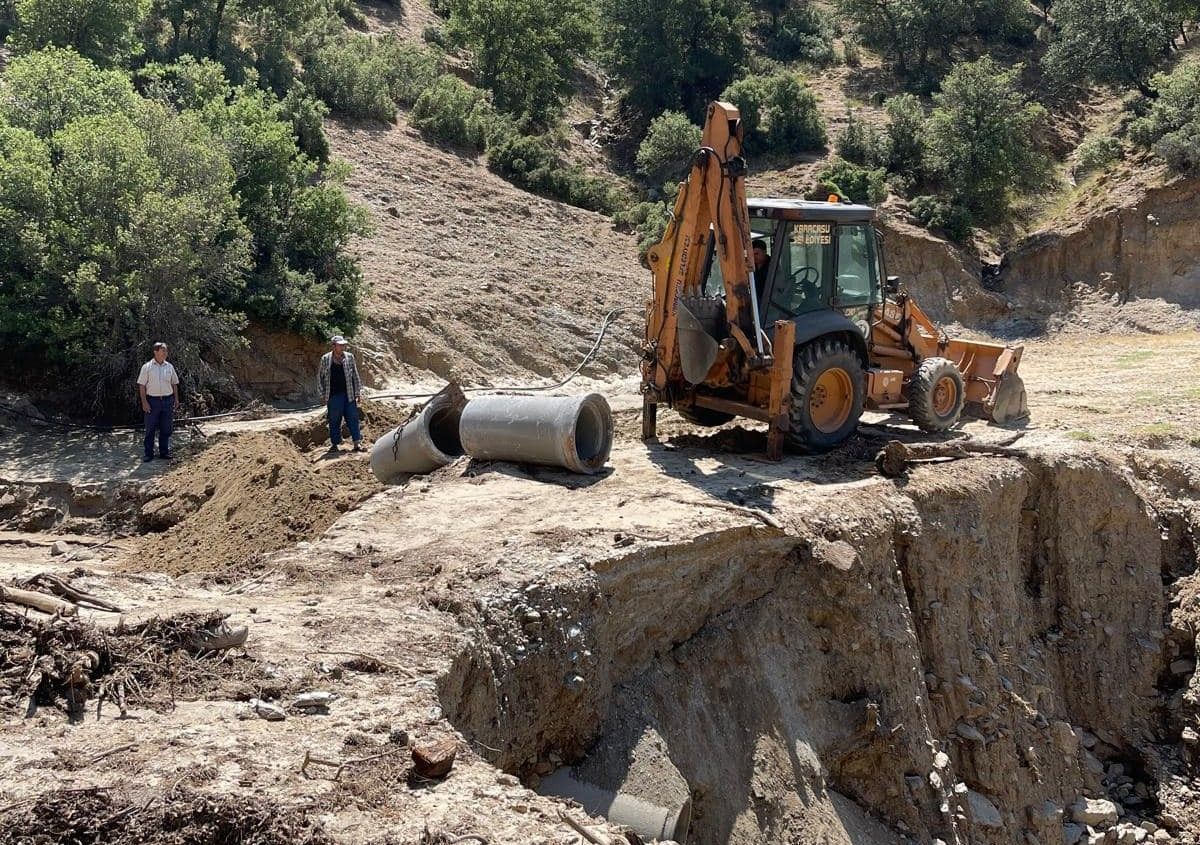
column 38, row 601
column 894, row 458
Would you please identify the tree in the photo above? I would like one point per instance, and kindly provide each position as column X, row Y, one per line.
column 1172, row 126
column 46, row 90
column 912, row 33
column 904, row 143
column 1117, row 41
column 668, row 148
column 779, row 113
column 981, row 136
column 101, row 30
column 525, row 50
column 674, row 54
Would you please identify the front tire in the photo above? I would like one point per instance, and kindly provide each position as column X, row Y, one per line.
column 828, row 390
column 936, row 395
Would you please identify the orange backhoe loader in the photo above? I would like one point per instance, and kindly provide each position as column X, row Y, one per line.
column 818, row 334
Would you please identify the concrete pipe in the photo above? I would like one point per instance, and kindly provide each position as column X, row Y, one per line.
column 574, row 432
column 646, row 819
column 428, row 441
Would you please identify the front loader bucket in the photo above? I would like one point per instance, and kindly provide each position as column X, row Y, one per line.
column 697, row 348
column 1010, row 403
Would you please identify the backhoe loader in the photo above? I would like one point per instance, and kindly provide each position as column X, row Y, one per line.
column 822, row 334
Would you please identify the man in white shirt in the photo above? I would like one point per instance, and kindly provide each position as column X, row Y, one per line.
column 158, row 388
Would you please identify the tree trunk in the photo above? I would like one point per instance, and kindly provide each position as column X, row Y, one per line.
column 215, row 34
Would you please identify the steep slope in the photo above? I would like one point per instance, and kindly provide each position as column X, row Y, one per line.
column 475, row 279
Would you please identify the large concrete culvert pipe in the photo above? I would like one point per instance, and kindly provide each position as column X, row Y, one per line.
column 645, row 818
column 428, row 441
column 574, row 432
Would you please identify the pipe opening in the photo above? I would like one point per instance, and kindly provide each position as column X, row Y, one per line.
column 443, row 431
column 591, row 438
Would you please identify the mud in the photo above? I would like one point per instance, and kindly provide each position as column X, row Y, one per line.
column 242, row 498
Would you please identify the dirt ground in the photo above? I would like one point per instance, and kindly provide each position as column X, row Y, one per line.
column 523, row 612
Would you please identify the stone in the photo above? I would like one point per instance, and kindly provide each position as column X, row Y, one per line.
column 267, row 710
column 435, row 759
column 970, row 733
column 1072, row 833
column 313, row 701
column 1094, row 812
column 1161, row 836
column 1189, row 736
column 398, row 736
column 941, row 760
column 1183, row 667
column 60, row 547
column 1149, row 826
column 1092, row 764
column 839, row 554
column 1087, row 739
column 1046, row 814
column 983, row 812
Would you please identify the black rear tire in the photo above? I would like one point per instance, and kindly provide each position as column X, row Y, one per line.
column 936, row 395
column 828, row 391
column 706, row 417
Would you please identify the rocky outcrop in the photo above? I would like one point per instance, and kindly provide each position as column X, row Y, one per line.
column 1149, row 248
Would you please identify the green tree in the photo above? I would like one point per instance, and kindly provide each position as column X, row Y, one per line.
column 904, row 138
column 668, row 148
column 779, row 113
column 1119, row 41
column 913, row 34
column 102, row 30
column 1172, row 126
column 674, row 54
column 982, row 135
column 45, row 90
column 525, row 50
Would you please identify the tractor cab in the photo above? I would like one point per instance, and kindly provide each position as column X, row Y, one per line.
column 825, row 265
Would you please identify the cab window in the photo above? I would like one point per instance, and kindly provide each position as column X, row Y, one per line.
column 803, row 273
column 857, row 279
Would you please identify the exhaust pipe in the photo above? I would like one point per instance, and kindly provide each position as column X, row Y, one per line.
column 428, row 441
column 646, row 819
column 573, row 432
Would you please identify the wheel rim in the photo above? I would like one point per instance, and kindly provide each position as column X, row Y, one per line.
column 830, row 402
column 945, row 396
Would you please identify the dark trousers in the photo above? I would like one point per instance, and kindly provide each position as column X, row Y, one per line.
column 161, row 419
column 339, row 406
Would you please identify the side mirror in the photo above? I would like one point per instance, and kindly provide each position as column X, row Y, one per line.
column 891, row 285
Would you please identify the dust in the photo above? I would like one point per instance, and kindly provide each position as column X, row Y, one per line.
column 244, row 497
column 93, row 816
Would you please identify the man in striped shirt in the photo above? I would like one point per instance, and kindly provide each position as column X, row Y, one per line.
column 341, row 388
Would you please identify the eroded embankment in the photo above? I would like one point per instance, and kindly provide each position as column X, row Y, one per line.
column 961, row 657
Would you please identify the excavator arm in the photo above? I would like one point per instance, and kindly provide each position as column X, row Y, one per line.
column 711, row 213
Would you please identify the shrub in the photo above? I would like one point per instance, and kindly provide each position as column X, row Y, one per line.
column 851, row 51
column 805, row 33
column 953, row 221
column 858, row 184
column 46, row 90
column 454, row 112
column 1118, row 41
column 307, row 115
column 648, row 220
column 794, row 124
column 668, row 148
column 1172, row 125
column 436, row 36
column 531, row 163
column 860, row 143
column 360, row 77
column 1099, row 152
column 749, row 94
column 779, row 113
column 905, row 136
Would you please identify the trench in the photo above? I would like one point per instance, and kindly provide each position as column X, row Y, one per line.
column 989, row 644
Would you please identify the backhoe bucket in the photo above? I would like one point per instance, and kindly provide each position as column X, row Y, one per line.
column 1010, row 403
column 697, row 348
